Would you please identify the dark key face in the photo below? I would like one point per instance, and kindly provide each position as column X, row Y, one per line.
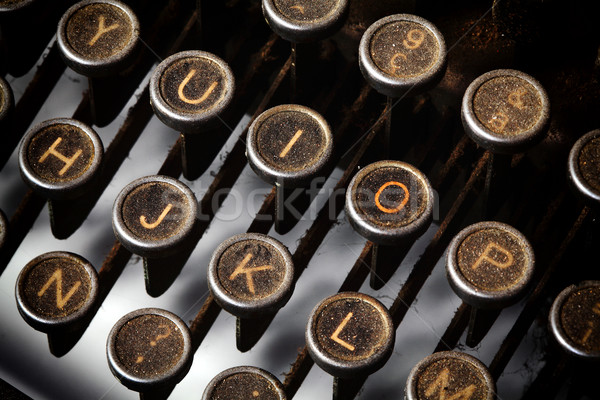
column 389, row 201
column 351, row 329
column 149, row 345
column 350, row 332
column 493, row 259
column 402, row 54
column 155, row 211
column 154, row 216
column 507, row 105
column 251, row 270
column 55, row 287
column 244, row 383
column 291, row 140
column 580, row 319
column 589, row 164
column 60, row 158
column 193, row 85
column 490, row 264
column 289, row 144
column 190, row 89
column 60, row 153
column 306, row 10
column 584, row 167
column 55, row 291
column 391, row 197
column 505, row 111
column 149, row 348
column 404, row 49
column 452, row 377
column 99, row 31
column 251, row 274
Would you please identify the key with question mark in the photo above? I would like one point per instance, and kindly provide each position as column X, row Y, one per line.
column 155, row 341
column 149, row 349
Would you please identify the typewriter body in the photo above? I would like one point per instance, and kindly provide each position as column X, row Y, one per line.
column 557, row 42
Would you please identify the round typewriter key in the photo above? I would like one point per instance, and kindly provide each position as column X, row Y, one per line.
column 489, row 266
column 584, row 166
column 149, row 350
column 350, row 335
column 59, row 158
column 505, row 111
column 188, row 92
column 251, row 276
column 575, row 320
column 98, row 37
column 402, row 53
column 155, row 217
column 390, row 203
column 288, row 146
column 305, row 20
column 450, row 375
column 244, row 383
column 55, row 291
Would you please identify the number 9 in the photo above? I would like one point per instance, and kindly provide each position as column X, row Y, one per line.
column 415, row 39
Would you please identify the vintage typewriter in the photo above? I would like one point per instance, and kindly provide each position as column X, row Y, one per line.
column 317, row 66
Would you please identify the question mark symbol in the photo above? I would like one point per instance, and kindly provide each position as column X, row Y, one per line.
column 155, row 341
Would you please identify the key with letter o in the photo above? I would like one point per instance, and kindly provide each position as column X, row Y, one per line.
column 150, row 350
column 390, row 203
column 155, row 217
column 450, row 375
column 55, row 293
column 350, row 335
column 289, row 146
column 244, row 383
column 60, row 160
column 251, row 276
column 189, row 91
column 489, row 266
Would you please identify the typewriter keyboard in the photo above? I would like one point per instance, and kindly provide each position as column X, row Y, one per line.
column 201, row 281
